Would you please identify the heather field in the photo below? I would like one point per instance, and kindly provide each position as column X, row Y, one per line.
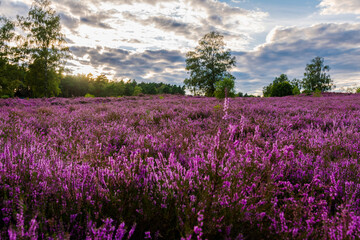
column 177, row 167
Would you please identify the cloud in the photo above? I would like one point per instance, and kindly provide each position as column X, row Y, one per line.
column 94, row 21
column 329, row 7
column 132, row 40
column 164, row 65
column 69, row 21
column 161, row 22
column 10, row 9
column 288, row 50
column 194, row 18
column 76, row 13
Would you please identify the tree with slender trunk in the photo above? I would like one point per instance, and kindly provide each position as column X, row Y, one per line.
column 45, row 46
column 315, row 76
column 208, row 64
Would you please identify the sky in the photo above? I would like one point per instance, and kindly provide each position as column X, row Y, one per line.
column 147, row 40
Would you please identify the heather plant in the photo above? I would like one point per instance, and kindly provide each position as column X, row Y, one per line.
column 177, row 168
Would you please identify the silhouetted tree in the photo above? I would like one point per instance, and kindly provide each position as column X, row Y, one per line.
column 11, row 74
column 45, row 46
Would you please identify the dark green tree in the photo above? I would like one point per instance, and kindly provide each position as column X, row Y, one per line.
column 11, row 74
column 208, row 64
column 74, row 86
column 282, row 89
column 279, row 87
column 45, row 48
column 98, row 86
column 316, row 77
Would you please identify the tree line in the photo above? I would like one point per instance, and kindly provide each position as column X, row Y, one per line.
column 209, row 65
column 32, row 58
column 100, row 86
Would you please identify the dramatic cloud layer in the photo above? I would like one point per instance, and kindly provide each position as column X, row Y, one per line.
column 166, row 65
column 288, row 50
column 147, row 40
column 340, row 6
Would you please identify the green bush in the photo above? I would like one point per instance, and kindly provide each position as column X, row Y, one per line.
column 281, row 89
column 5, row 96
column 88, row 95
column 307, row 92
column 317, row 93
column 358, row 90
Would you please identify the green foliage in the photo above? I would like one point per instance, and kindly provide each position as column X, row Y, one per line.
column 79, row 85
column 208, row 64
column 225, row 87
column 217, row 107
column 42, row 83
column 279, row 87
column 73, row 86
column 6, row 36
column 315, row 76
column 11, row 74
column 282, row 89
column 317, row 93
column 249, row 95
column 295, row 91
column 44, row 48
column 98, row 85
column 88, row 95
column 161, row 97
column 4, row 96
column 358, row 90
column 296, row 83
column 307, row 92
column 137, row 90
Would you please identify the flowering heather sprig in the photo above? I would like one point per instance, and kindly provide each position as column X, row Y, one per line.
column 226, row 107
column 274, row 168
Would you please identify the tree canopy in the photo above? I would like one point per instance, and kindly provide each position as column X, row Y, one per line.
column 281, row 86
column 225, row 88
column 11, row 74
column 208, row 64
column 46, row 49
column 316, row 77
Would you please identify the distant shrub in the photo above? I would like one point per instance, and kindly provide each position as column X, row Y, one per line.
column 317, row 93
column 88, row 95
column 280, row 87
column 358, row 90
column 307, row 92
column 5, row 96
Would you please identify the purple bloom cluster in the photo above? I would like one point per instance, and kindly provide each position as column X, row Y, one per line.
column 180, row 168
